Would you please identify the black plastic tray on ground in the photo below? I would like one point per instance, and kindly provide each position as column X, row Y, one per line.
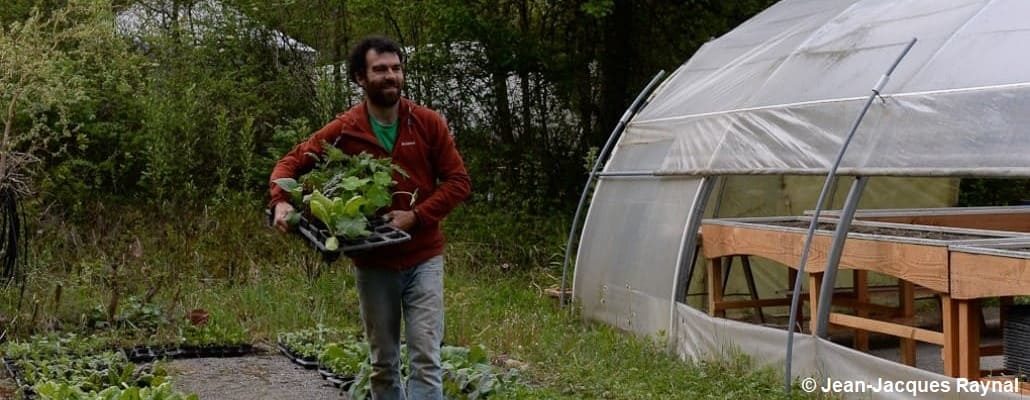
column 143, row 354
column 382, row 234
column 15, row 373
column 307, row 363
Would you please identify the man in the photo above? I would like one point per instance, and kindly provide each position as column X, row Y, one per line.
column 405, row 279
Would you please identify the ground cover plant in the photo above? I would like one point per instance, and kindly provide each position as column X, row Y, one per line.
column 68, row 366
column 494, row 298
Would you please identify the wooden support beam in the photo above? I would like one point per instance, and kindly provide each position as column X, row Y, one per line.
column 888, row 328
column 907, row 299
column 860, row 280
column 714, row 289
column 949, row 319
column 969, row 338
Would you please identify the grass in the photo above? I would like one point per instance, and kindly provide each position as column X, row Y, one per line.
column 224, row 260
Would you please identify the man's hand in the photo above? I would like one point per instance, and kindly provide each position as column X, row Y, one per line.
column 400, row 219
column 281, row 211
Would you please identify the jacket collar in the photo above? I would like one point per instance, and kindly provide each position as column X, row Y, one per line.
column 355, row 120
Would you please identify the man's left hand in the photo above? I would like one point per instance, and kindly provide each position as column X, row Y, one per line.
column 400, row 219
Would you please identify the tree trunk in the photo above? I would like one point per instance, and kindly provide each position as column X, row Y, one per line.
column 618, row 54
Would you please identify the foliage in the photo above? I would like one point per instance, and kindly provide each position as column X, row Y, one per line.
column 213, row 334
column 68, row 364
column 346, row 358
column 559, row 355
column 343, row 191
column 133, row 314
column 311, row 343
column 993, row 192
column 62, row 391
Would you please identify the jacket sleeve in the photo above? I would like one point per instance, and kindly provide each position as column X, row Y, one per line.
column 454, row 185
column 297, row 161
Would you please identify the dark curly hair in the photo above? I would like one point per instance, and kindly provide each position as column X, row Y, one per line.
column 356, row 65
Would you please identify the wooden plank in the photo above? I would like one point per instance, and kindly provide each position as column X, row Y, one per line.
column 714, row 287
column 976, row 276
column 887, row 328
column 1014, row 222
column 864, row 307
column 924, row 265
column 727, row 305
column 779, row 246
column 907, row 299
column 949, row 322
column 969, row 338
column 815, row 281
column 992, row 350
column 860, row 280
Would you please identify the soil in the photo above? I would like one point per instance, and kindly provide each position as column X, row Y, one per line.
column 266, row 377
column 896, row 232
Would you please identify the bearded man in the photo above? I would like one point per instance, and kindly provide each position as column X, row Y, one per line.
column 405, row 280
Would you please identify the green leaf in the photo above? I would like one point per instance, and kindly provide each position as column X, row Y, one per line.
column 477, row 355
column 352, row 227
column 377, row 197
column 334, row 153
column 382, row 178
column 353, row 182
column 332, row 243
column 353, row 206
column 287, row 184
column 319, row 210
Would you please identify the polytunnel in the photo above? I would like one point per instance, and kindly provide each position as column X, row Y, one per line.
column 750, row 126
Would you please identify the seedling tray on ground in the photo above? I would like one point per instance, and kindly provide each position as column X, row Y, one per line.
column 382, row 234
column 307, row 363
column 15, row 373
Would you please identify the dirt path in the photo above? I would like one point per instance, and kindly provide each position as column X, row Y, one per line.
column 266, row 377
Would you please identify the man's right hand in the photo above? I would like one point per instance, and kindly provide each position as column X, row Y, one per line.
column 281, row 211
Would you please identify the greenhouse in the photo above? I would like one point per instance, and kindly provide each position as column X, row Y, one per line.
column 722, row 165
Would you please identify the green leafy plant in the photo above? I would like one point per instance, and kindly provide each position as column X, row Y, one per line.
column 344, row 358
column 62, row 391
column 82, row 363
column 310, row 343
column 214, row 334
column 343, row 191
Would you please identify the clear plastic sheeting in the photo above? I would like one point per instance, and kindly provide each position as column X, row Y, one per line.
column 779, row 93
column 699, row 337
column 629, row 250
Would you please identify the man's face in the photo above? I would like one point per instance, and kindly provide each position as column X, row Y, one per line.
column 384, row 78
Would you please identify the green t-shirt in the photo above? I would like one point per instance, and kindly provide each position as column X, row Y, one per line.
column 387, row 134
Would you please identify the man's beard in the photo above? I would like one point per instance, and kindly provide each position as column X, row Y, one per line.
column 378, row 95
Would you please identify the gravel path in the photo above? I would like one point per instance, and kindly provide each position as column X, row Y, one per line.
column 266, row 377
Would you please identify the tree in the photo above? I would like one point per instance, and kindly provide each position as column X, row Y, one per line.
column 41, row 84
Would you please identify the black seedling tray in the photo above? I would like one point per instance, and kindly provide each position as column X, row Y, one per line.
column 383, row 234
column 307, row 363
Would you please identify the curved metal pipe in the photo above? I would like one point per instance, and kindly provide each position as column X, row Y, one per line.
column 830, row 178
column 616, row 133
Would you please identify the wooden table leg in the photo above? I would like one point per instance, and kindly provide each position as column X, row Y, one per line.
column 906, row 299
column 949, row 319
column 969, row 338
column 860, row 279
column 815, row 281
column 715, row 287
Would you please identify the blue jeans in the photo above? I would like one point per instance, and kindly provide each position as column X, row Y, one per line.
column 417, row 295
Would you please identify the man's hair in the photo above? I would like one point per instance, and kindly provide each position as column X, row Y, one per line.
column 356, row 65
